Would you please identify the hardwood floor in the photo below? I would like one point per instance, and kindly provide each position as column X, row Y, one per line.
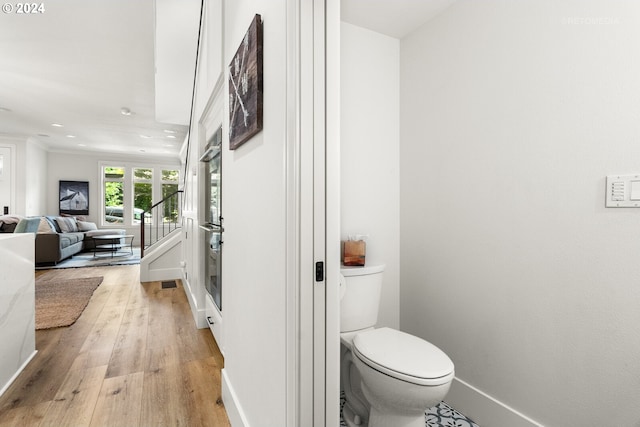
column 134, row 358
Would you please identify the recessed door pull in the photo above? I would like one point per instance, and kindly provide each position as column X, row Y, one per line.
column 209, row 320
column 319, row 271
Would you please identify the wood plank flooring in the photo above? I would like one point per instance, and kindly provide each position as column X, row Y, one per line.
column 134, row 358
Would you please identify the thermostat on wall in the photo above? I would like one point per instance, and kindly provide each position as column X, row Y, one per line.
column 623, row 191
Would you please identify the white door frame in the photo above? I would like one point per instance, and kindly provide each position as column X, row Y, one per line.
column 332, row 179
column 313, row 212
column 11, row 176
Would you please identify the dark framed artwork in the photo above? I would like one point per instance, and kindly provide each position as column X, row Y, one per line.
column 245, row 87
column 74, row 197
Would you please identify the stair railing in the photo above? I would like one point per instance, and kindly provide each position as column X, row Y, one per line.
column 160, row 220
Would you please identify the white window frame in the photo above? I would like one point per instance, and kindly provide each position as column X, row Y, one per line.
column 103, row 181
column 128, row 188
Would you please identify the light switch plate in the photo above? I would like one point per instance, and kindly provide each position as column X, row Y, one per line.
column 623, row 191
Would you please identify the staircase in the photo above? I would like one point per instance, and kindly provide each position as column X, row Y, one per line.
column 162, row 219
column 161, row 250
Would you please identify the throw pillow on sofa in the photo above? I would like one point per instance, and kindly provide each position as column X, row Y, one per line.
column 67, row 225
column 45, row 226
column 8, row 223
column 86, row 226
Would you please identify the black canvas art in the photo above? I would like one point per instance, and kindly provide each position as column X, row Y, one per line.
column 74, row 197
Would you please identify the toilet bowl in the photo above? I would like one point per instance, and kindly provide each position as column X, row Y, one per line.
column 389, row 377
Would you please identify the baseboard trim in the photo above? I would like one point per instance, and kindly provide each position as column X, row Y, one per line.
column 231, row 404
column 199, row 313
column 483, row 409
column 13, row 378
column 162, row 274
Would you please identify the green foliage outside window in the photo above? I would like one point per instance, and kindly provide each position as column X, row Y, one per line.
column 142, row 196
column 113, row 194
column 113, row 190
column 170, row 175
column 170, row 211
column 111, row 172
column 142, row 173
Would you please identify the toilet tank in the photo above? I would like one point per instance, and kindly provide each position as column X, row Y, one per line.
column 360, row 296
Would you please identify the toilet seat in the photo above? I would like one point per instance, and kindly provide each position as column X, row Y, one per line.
column 403, row 356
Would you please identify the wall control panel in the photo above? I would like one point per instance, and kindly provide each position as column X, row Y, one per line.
column 623, row 191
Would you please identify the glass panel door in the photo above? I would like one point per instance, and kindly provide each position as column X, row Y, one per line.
column 213, row 237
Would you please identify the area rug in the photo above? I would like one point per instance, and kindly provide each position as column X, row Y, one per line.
column 87, row 259
column 59, row 302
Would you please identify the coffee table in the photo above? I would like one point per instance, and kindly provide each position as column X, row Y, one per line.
column 112, row 243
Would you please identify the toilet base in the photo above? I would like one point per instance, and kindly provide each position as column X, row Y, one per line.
column 377, row 419
column 382, row 420
column 350, row 419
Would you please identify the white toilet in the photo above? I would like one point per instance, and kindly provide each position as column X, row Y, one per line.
column 389, row 377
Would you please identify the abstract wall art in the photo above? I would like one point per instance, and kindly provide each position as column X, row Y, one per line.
column 245, row 87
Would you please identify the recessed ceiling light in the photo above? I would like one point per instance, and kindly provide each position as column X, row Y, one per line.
column 125, row 111
column 171, row 136
column 56, row 125
column 71, row 136
column 169, row 131
column 145, row 136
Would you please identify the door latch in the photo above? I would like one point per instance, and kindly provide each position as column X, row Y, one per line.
column 319, row 271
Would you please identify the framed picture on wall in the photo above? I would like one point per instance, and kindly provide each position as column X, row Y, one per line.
column 245, row 87
column 74, row 197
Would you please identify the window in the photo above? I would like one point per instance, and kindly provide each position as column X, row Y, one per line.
column 169, row 187
column 142, row 192
column 131, row 190
column 113, row 178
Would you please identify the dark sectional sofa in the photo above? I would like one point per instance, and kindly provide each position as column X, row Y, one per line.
column 54, row 247
column 59, row 237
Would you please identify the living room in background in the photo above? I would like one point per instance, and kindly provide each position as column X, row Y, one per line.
column 74, row 197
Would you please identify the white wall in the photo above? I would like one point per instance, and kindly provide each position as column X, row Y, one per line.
column 208, row 72
column 21, row 171
column 176, row 38
column 36, row 170
column 253, row 259
column 512, row 114
column 370, row 176
column 30, row 173
column 12, row 185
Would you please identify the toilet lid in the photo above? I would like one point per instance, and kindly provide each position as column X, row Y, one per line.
column 403, row 356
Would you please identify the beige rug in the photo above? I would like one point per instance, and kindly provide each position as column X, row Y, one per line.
column 61, row 302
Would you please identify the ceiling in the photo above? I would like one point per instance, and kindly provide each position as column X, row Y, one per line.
column 395, row 18
column 68, row 73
